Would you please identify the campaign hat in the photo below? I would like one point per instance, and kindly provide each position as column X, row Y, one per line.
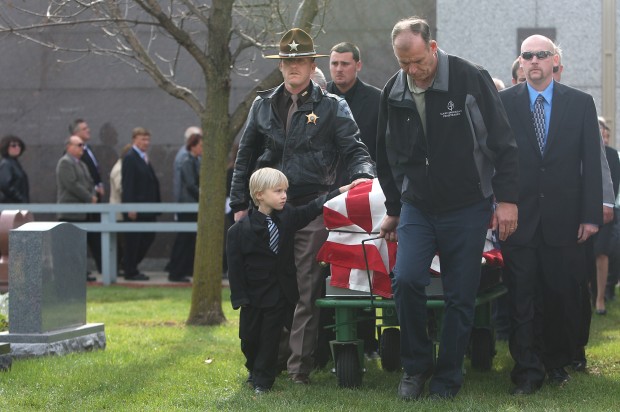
column 294, row 44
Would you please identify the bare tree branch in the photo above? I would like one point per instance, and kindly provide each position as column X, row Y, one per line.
column 218, row 36
column 149, row 65
column 182, row 37
column 197, row 12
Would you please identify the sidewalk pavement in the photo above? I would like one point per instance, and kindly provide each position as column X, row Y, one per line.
column 158, row 279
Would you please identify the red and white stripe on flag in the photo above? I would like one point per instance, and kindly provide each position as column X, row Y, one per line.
column 352, row 217
column 357, row 215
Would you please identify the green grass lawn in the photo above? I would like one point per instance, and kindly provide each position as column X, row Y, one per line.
column 153, row 362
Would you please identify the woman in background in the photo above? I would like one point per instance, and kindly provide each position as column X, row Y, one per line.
column 116, row 193
column 181, row 266
column 14, row 186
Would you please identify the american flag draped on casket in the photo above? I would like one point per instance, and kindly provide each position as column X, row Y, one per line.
column 355, row 216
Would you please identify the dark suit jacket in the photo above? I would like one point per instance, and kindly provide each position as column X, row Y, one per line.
column 563, row 188
column 363, row 100
column 92, row 167
column 257, row 276
column 139, row 182
column 614, row 167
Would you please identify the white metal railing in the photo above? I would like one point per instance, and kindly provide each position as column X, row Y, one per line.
column 109, row 227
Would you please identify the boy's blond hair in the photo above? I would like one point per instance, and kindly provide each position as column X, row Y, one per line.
column 266, row 178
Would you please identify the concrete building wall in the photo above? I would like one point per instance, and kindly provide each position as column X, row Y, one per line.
column 486, row 33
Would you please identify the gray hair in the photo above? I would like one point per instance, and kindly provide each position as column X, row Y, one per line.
column 319, row 78
column 414, row 24
column 191, row 131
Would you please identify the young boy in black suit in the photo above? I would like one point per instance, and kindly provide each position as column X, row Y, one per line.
column 262, row 272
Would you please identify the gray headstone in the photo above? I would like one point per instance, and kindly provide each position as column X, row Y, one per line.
column 47, row 289
column 47, row 273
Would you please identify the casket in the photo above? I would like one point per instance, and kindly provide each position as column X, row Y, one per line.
column 361, row 263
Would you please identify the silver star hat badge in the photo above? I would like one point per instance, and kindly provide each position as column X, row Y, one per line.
column 293, row 45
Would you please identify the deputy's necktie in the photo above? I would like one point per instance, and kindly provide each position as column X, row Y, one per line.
column 291, row 110
column 274, row 236
column 538, row 116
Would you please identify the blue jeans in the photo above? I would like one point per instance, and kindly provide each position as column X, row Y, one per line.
column 458, row 236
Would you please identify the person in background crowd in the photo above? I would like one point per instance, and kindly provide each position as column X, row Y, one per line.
column 345, row 64
column 140, row 185
column 307, row 131
column 517, row 72
column 605, row 242
column 181, row 266
column 14, row 186
column 499, row 85
column 116, row 188
column 178, row 160
column 176, row 169
column 74, row 183
column 116, row 196
column 445, row 154
column 319, row 78
column 580, row 361
column 500, row 306
column 80, row 128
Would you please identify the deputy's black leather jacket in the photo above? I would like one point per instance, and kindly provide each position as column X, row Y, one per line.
column 322, row 131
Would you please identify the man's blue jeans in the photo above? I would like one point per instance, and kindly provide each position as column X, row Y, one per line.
column 458, row 237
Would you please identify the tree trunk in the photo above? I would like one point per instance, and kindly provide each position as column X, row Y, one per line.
column 206, row 306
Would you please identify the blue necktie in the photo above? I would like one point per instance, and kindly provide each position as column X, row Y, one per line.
column 274, row 236
column 538, row 116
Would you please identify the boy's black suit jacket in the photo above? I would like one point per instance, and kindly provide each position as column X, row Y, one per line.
column 258, row 276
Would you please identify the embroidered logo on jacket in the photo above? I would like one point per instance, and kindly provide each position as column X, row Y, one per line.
column 451, row 112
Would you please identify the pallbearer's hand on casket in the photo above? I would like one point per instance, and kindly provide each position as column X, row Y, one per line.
column 505, row 219
column 388, row 228
column 352, row 184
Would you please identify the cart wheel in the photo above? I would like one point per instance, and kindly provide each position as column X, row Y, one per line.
column 389, row 349
column 482, row 348
column 348, row 367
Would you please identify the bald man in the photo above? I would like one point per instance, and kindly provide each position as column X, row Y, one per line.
column 560, row 198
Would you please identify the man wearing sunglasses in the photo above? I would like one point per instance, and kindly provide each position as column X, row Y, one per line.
column 73, row 182
column 560, row 201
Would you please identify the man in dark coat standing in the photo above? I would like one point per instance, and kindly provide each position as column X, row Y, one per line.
column 80, row 128
column 345, row 62
column 560, row 197
column 140, row 185
column 363, row 99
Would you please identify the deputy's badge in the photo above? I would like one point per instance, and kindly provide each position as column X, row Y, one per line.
column 312, row 117
column 293, row 45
